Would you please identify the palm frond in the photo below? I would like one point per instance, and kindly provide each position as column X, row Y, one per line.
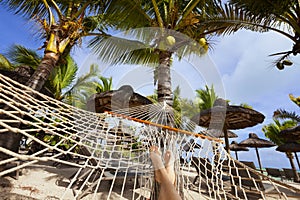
column 19, row 55
column 83, row 80
column 68, row 72
column 28, row 8
column 115, row 50
column 264, row 9
column 282, row 11
column 272, row 130
column 231, row 19
column 207, row 97
column 128, row 14
column 105, row 85
column 296, row 100
column 5, row 63
column 283, row 114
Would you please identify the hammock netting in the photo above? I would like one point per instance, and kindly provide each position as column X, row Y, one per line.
column 109, row 152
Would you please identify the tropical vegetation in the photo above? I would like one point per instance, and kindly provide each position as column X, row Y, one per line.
column 64, row 82
column 260, row 16
column 272, row 131
column 63, row 24
column 155, row 32
column 207, row 97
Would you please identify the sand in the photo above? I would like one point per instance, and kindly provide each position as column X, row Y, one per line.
column 44, row 181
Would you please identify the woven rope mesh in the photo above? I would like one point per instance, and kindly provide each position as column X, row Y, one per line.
column 107, row 154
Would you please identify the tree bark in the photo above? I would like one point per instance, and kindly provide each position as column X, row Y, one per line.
column 40, row 76
column 164, row 87
column 11, row 140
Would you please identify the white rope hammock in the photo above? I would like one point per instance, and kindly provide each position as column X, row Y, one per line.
column 109, row 152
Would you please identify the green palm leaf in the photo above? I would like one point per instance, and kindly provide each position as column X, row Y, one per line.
column 5, row 63
column 207, row 97
column 115, row 50
column 231, row 18
column 28, row 8
column 124, row 12
column 19, row 55
column 283, row 114
column 63, row 76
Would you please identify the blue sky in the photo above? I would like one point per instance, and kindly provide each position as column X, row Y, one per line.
column 240, row 62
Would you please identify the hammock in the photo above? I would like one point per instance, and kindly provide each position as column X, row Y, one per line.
column 109, row 152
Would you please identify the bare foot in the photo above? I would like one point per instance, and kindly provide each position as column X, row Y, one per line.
column 162, row 170
column 169, row 165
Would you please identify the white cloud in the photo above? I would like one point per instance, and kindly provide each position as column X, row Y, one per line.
column 239, row 63
column 254, row 79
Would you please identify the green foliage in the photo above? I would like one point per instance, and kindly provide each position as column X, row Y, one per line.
column 296, row 100
column 5, row 63
column 189, row 108
column 19, row 55
column 283, row 114
column 105, row 85
column 62, row 77
column 264, row 9
column 245, row 105
column 207, row 97
column 272, row 130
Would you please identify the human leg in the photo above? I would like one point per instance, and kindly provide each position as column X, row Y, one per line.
column 164, row 175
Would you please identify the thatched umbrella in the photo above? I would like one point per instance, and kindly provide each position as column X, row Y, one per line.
column 223, row 116
column 289, row 148
column 292, row 134
column 112, row 100
column 219, row 133
column 234, row 146
column 256, row 142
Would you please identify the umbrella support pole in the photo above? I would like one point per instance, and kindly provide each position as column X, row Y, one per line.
column 258, row 158
column 297, row 159
column 226, row 139
column 290, row 156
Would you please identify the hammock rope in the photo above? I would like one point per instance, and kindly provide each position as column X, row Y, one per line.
column 111, row 150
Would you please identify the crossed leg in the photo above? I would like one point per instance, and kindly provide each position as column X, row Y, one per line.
column 164, row 174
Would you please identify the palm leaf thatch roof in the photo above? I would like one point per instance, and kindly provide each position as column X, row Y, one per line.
column 291, row 133
column 289, row 147
column 255, row 141
column 234, row 146
column 112, row 100
column 232, row 117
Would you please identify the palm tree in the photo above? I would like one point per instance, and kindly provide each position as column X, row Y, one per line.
column 260, row 16
column 158, row 30
column 284, row 114
column 62, row 82
column 272, row 131
column 85, row 87
column 207, row 97
column 67, row 22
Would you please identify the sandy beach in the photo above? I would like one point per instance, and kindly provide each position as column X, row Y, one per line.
column 44, row 181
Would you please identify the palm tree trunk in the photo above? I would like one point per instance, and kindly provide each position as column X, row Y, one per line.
column 11, row 140
column 164, row 87
column 40, row 76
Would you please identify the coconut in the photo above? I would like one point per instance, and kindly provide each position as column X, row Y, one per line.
column 170, row 40
column 279, row 66
column 287, row 62
column 202, row 41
